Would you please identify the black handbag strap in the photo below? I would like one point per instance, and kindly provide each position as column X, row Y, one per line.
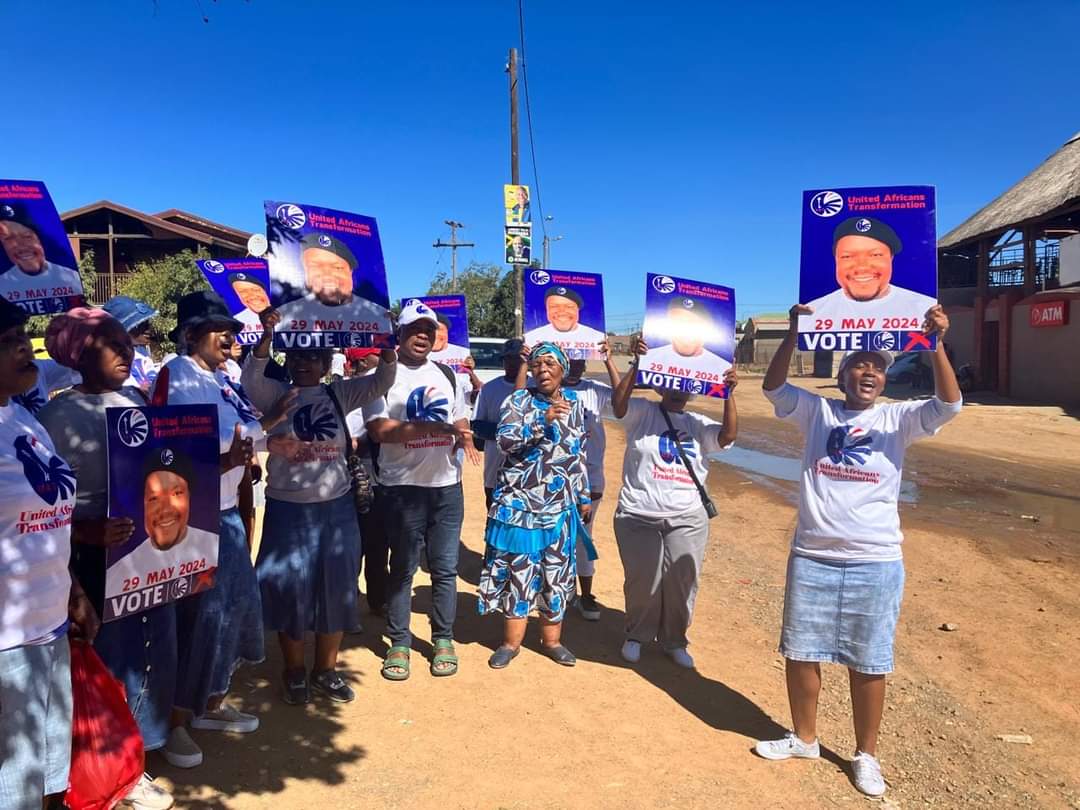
column 686, row 462
column 350, row 451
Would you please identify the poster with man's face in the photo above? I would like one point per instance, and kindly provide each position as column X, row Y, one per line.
column 452, row 334
column 38, row 270
column 327, row 277
column 868, row 268
column 516, row 205
column 566, row 309
column 164, row 475
column 518, row 241
column 244, row 285
column 690, row 331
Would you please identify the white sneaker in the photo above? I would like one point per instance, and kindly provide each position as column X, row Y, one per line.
column 681, row 657
column 868, row 778
column 226, row 718
column 631, row 651
column 790, row 746
column 146, row 795
column 181, row 751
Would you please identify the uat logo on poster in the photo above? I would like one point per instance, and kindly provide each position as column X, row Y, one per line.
column 1049, row 313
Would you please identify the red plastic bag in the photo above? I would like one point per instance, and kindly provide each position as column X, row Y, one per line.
column 106, row 746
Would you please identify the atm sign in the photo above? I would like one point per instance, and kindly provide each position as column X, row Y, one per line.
column 1049, row 313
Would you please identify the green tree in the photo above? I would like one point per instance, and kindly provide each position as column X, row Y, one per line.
column 489, row 297
column 36, row 325
column 161, row 283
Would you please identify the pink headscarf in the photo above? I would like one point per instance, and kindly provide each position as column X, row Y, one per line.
column 69, row 333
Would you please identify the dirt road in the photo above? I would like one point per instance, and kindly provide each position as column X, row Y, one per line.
column 605, row 734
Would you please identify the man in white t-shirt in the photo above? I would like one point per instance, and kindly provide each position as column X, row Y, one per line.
column 689, row 328
column 863, row 250
column 420, row 426
column 564, row 329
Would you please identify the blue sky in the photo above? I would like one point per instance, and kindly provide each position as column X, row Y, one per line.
column 666, row 142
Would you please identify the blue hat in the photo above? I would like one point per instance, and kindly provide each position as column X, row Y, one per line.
column 129, row 312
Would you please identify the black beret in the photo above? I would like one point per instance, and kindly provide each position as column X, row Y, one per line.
column 163, row 459
column 871, row 228
column 235, row 277
column 325, row 241
column 563, row 292
column 14, row 212
column 10, row 315
column 444, row 320
column 684, row 304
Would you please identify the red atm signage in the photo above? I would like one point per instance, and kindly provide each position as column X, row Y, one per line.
column 1049, row 313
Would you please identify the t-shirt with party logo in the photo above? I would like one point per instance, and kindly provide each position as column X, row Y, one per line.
column 421, row 394
column 655, row 480
column 852, row 466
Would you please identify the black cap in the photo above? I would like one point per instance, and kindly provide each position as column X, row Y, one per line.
column 325, row 241
column 197, row 308
column 235, row 277
column 684, row 304
column 871, row 228
column 15, row 212
column 10, row 315
column 165, row 459
column 564, row 292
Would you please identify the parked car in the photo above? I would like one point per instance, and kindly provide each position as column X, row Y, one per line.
column 909, row 369
column 487, row 352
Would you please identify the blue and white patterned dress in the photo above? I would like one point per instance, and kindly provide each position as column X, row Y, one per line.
column 534, row 523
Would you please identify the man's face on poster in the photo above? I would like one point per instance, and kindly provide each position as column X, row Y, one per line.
column 522, row 196
column 22, row 247
column 562, row 313
column 688, row 331
column 166, row 505
column 328, row 276
column 442, row 337
column 863, row 267
column 518, row 246
column 251, row 295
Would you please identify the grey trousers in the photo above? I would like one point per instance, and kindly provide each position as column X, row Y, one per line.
column 662, row 560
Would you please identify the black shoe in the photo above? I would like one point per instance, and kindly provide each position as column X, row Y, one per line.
column 559, row 654
column 333, row 686
column 296, row 687
column 588, row 607
column 501, row 658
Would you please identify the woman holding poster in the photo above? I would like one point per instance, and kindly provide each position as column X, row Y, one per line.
column 221, row 628
column 662, row 517
column 139, row 649
column 309, row 556
column 845, row 574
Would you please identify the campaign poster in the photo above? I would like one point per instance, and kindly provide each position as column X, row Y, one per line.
column 567, row 309
column 516, row 204
column 868, row 268
column 327, row 278
column 452, row 334
column 244, row 285
column 518, row 244
column 38, row 271
column 690, row 331
column 163, row 474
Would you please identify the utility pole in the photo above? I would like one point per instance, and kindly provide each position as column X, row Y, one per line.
column 519, row 293
column 547, row 243
column 453, row 244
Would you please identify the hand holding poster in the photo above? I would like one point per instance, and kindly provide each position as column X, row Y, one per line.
column 566, row 309
column 868, row 269
column 690, row 330
column 244, row 285
column 452, row 335
column 38, row 271
column 163, row 474
column 328, row 278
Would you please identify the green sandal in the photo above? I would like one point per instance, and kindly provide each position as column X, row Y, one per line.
column 444, row 658
column 397, row 658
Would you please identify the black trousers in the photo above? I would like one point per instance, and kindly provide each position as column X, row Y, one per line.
column 375, row 552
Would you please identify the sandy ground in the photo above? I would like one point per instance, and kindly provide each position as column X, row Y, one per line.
column 606, row 734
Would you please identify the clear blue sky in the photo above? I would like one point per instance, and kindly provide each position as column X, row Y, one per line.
column 670, row 137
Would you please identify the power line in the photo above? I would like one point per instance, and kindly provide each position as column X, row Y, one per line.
column 528, row 114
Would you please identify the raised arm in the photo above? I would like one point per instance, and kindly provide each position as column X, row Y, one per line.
column 781, row 361
column 730, row 427
column 946, row 388
column 623, row 387
column 355, row 392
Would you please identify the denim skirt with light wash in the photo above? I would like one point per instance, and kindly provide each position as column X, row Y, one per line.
column 842, row 612
column 308, row 564
column 219, row 629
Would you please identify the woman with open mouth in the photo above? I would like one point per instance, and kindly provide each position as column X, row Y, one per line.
column 845, row 576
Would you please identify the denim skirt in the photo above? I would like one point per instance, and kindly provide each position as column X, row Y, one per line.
column 842, row 612
column 308, row 565
column 220, row 629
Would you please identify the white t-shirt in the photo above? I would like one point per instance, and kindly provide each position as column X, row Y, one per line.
column 190, row 384
column 669, row 359
column 897, row 303
column 595, row 396
column 422, row 394
column 52, row 377
column 35, row 530
column 580, row 338
column 852, row 466
column 143, row 369
column 489, row 405
column 655, row 480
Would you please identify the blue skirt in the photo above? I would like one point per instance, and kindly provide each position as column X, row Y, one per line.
column 308, row 564
column 220, row 629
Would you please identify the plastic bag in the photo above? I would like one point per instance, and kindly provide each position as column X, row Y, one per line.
column 106, row 746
